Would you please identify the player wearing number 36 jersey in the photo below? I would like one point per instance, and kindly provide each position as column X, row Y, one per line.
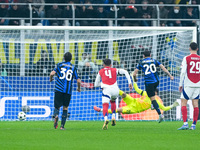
column 189, row 85
column 110, row 92
column 63, row 89
column 149, row 67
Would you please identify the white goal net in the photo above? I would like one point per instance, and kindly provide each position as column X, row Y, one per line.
column 29, row 54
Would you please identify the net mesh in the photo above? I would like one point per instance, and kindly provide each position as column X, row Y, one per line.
column 28, row 56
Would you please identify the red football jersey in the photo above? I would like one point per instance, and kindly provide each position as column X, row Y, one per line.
column 108, row 75
column 193, row 67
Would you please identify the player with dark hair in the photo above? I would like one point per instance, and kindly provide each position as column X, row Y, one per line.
column 149, row 67
column 137, row 105
column 189, row 85
column 63, row 89
column 110, row 92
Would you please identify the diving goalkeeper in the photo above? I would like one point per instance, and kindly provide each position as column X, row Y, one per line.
column 137, row 105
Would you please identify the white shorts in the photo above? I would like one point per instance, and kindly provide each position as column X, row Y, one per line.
column 109, row 93
column 190, row 93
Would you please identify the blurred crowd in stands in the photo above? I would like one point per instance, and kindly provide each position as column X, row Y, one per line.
column 41, row 9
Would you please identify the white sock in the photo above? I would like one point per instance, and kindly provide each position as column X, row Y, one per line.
column 113, row 115
column 185, row 123
column 193, row 124
column 101, row 110
column 105, row 118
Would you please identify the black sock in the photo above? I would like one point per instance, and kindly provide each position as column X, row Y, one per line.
column 64, row 117
column 56, row 112
column 155, row 105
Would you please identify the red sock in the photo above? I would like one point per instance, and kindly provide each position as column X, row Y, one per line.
column 195, row 115
column 184, row 113
column 105, row 109
column 113, row 106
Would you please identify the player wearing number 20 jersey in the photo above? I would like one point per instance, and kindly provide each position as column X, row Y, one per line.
column 149, row 67
column 108, row 76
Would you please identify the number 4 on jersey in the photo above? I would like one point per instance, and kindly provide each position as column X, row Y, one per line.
column 108, row 73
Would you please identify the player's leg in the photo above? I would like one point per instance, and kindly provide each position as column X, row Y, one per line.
column 57, row 105
column 113, row 110
column 150, row 89
column 118, row 110
column 195, row 103
column 64, row 117
column 166, row 108
column 161, row 106
column 184, row 98
column 105, row 114
column 66, row 101
column 105, row 102
column 123, row 110
column 55, row 116
column 184, row 114
column 114, row 92
column 97, row 109
column 195, row 113
column 127, row 99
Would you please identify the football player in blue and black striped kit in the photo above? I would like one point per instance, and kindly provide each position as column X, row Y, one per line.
column 66, row 72
column 149, row 66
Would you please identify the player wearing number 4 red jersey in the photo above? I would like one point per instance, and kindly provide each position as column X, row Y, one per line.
column 189, row 85
column 110, row 89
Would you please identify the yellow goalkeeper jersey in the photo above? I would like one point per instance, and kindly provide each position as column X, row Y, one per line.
column 139, row 104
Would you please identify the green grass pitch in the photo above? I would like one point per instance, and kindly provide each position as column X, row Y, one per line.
column 88, row 135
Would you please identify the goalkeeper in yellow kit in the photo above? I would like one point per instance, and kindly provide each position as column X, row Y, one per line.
column 137, row 105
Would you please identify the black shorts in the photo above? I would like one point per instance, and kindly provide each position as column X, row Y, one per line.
column 151, row 88
column 61, row 99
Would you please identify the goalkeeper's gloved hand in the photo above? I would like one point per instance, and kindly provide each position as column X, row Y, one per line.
column 133, row 77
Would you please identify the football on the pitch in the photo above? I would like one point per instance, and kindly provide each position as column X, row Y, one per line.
column 25, row 108
column 21, row 116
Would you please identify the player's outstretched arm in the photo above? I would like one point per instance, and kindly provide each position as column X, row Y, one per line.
column 134, row 74
column 79, row 85
column 137, row 89
column 122, row 71
column 52, row 75
column 166, row 71
column 97, row 81
column 183, row 72
column 121, row 93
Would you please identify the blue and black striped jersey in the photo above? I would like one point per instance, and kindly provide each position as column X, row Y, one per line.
column 65, row 72
column 149, row 68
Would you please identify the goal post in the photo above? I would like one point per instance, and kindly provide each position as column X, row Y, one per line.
column 29, row 53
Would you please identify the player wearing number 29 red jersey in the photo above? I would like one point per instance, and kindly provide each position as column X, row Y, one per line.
column 189, row 85
column 110, row 92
